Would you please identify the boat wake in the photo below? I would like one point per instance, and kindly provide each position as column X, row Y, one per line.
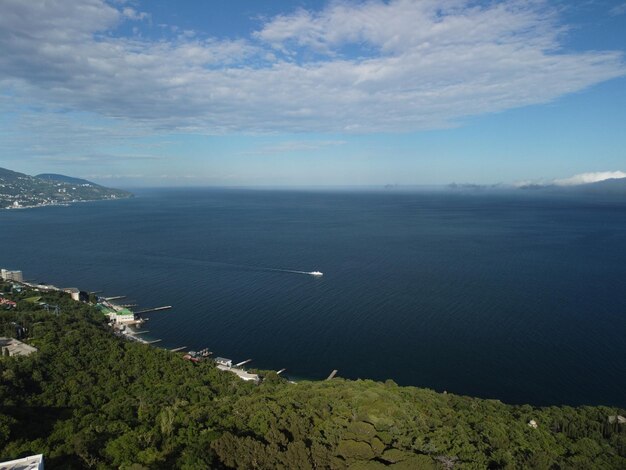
column 309, row 273
column 234, row 265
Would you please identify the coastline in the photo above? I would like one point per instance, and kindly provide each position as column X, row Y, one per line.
column 64, row 203
column 122, row 319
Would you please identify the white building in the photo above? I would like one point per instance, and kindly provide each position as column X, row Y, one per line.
column 15, row 348
column 74, row 292
column 8, row 275
column 34, row 462
column 227, row 365
column 222, row 361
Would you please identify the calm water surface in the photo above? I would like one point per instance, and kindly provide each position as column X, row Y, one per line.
column 501, row 296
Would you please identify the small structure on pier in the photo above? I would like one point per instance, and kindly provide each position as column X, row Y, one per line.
column 227, row 365
column 222, row 361
column 196, row 356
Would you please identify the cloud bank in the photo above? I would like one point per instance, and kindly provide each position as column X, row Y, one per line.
column 351, row 67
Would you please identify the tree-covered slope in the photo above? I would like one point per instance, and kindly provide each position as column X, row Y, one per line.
column 62, row 178
column 88, row 399
column 20, row 190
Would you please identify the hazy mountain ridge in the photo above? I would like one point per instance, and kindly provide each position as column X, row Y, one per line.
column 63, row 179
column 611, row 186
column 608, row 186
column 20, row 190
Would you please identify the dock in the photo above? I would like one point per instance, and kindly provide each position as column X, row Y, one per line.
column 243, row 362
column 135, row 333
column 153, row 341
column 108, row 299
column 178, row 349
column 155, row 309
column 332, row 374
column 280, row 371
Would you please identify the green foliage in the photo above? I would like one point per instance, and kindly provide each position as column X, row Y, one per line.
column 101, row 402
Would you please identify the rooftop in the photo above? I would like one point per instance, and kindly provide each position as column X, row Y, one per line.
column 16, row 348
column 34, row 462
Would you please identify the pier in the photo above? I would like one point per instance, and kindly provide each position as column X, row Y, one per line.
column 243, row 362
column 117, row 297
column 178, row 349
column 332, row 374
column 155, row 309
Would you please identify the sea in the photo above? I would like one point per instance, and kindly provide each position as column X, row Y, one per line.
column 518, row 296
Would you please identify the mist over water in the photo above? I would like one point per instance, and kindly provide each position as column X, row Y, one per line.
column 501, row 296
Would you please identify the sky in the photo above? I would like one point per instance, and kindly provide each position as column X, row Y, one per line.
column 133, row 93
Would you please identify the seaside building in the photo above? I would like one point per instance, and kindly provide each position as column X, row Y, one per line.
column 34, row 462
column 227, row 365
column 222, row 361
column 74, row 293
column 124, row 315
column 8, row 275
column 116, row 314
column 13, row 347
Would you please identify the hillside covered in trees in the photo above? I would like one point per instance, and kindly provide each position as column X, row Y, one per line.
column 21, row 190
column 88, row 399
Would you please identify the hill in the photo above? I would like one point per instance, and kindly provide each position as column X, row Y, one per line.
column 21, row 190
column 62, row 179
column 613, row 186
column 99, row 401
column 616, row 186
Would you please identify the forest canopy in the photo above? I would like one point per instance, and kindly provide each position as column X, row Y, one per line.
column 89, row 399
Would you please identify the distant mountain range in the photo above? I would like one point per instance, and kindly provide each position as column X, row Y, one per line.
column 20, row 190
column 613, row 186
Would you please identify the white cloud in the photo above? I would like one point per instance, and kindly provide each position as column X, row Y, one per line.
column 618, row 10
column 586, row 178
column 134, row 15
column 420, row 65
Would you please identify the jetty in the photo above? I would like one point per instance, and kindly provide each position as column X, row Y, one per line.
column 332, row 374
column 155, row 309
column 239, row 364
column 117, row 297
column 178, row 349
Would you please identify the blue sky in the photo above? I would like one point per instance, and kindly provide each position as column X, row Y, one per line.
column 274, row 93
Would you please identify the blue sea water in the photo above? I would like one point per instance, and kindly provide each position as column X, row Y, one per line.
column 507, row 296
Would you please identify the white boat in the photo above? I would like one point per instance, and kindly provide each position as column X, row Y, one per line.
column 316, row 273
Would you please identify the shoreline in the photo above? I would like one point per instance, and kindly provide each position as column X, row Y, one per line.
column 62, row 203
column 122, row 327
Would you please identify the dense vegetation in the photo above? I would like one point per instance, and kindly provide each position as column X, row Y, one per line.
column 88, row 399
column 24, row 190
